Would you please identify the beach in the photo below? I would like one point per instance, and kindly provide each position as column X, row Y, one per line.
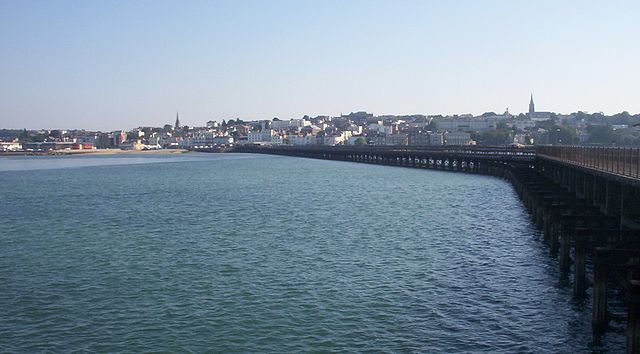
column 94, row 152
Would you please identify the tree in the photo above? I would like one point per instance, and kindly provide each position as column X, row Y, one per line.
column 562, row 135
column 626, row 137
column 601, row 134
column 24, row 136
column 546, row 124
column 621, row 118
column 56, row 134
column 495, row 137
column 131, row 136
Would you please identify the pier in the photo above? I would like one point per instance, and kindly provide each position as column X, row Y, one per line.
column 585, row 201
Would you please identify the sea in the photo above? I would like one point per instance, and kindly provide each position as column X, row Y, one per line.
column 242, row 253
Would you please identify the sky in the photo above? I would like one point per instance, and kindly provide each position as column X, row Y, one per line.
column 107, row 65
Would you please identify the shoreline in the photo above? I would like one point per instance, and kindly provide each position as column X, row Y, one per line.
column 95, row 152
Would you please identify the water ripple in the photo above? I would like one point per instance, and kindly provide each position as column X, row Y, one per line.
column 242, row 253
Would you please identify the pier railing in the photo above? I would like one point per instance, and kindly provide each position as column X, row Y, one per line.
column 478, row 152
column 616, row 160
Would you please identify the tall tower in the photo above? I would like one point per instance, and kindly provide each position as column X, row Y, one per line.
column 177, row 126
column 531, row 106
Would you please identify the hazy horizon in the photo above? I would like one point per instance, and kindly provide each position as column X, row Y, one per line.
column 118, row 65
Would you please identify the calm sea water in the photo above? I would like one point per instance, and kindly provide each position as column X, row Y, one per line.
column 252, row 253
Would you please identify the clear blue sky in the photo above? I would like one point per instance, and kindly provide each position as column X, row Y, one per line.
column 122, row 64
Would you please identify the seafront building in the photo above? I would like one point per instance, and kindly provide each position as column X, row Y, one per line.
column 457, row 138
column 10, row 146
column 355, row 128
column 292, row 123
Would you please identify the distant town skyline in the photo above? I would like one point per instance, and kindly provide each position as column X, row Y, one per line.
column 118, row 65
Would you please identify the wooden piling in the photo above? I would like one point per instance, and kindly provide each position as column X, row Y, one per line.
column 600, row 316
column 633, row 317
column 579, row 280
column 565, row 250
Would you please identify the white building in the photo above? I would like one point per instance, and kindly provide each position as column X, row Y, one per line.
column 474, row 124
column 436, row 139
column 619, row 126
column 204, row 140
column 523, row 124
column 523, row 139
column 381, row 129
column 337, row 139
column 291, row 123
column 299, row 140
column 540, row 116
column 391, row 139
column 457, row 138
column 260, row 137
column 10, row 146
column 354, row 129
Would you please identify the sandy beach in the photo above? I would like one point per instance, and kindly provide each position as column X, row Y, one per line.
column 96, row 152
column 119, row 152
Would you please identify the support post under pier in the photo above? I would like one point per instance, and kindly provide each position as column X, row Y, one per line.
column 633, row 318
column 565, row 250
column 579, row 280
column 600, row 315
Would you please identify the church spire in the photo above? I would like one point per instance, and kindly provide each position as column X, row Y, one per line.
column 532, row 108
column 177, row 126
